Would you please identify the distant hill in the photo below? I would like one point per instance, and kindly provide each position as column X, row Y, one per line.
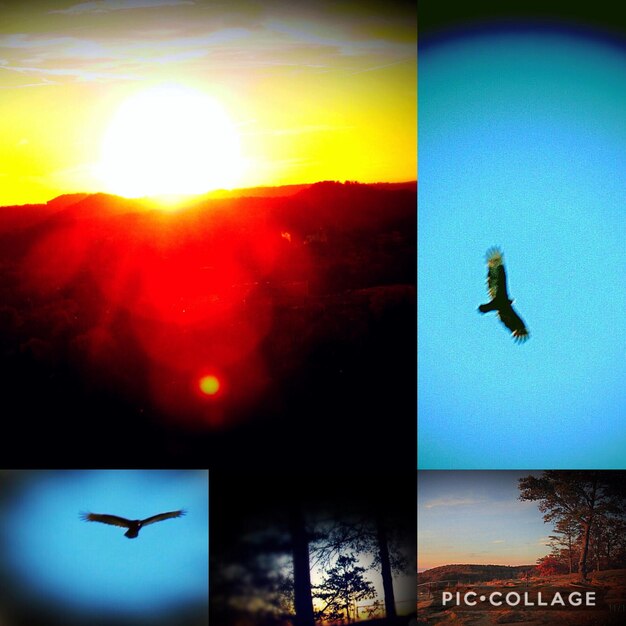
column 110, row 307
column 283, row 191
column 472, row 573
column 409, row 185
column 257, row 192
column 290, row 190
column 16, row 217
column 67, row 199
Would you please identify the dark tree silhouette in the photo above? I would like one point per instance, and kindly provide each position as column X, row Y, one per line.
column 276, row 544
column 343, row 586
column 605, row 538
column 500, row 302
column 383, row 530
column 301, row 567
column 134, row 526
column 385, row 565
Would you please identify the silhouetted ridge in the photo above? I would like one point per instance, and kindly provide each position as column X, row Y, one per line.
column 67, row 199
column 112, row 308
column 472, row 573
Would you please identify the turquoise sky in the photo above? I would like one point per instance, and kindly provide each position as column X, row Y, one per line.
column 522, row 141
column 56, row 561
column 476, row 517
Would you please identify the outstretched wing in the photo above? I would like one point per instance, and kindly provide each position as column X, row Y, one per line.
column 513, row 322
column 496, row 276
column 113, row 520
column 162, row 516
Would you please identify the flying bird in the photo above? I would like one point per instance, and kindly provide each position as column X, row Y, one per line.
column 500, row 302
column 133, row 525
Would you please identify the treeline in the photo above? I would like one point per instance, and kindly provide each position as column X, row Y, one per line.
column 472, row 573
column 588, row 510
column 607, row 547
column 337, row 548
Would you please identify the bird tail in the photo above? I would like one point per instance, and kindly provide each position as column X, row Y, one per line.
column 485, row 308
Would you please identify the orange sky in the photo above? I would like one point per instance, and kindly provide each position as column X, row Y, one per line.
column 476, row 517
column 301, row 95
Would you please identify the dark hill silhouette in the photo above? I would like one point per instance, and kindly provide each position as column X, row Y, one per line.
column 19, row 217
column 304, row 304
column 472, row 573
column 67, row 199
column 100, row 206
column 406, row 186
column 256, row 192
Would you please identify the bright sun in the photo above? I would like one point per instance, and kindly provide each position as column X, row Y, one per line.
column 167, row 141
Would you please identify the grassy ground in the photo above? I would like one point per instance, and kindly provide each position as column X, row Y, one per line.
column 610, row 588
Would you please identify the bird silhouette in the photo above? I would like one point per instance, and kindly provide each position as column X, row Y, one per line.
column 500, row 302
column 133, row 525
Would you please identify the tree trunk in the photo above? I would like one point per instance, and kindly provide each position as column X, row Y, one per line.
column 569, row 553
column 385, row 568
column 588, row 521
column 303, row 602
column 582, row 563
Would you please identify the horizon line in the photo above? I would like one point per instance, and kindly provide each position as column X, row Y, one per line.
column 205, row 194
column 421, row 570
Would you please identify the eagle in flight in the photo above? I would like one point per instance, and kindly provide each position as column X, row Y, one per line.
column 133, row 525
column 500, row 302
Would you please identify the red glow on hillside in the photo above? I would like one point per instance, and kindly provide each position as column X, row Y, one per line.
column 119, row 307
column 185, row 289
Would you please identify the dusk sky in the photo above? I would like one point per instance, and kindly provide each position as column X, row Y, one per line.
column 523, row 146
column 146, row 97
column 475, row 517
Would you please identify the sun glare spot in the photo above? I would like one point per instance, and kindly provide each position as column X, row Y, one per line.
column 209, row 385
column 169, row 202
column 169, row 141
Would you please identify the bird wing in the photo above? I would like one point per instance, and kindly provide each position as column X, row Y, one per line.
column 162, row 516
column 513, row 322
column 496, row 276
column 113, row 520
